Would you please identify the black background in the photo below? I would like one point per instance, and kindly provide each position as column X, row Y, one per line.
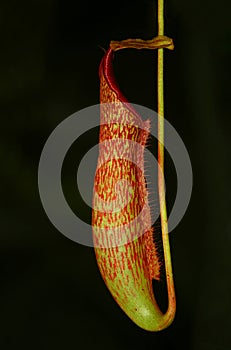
column 52, row 295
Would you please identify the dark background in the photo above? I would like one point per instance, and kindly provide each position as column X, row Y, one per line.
column 52, row 295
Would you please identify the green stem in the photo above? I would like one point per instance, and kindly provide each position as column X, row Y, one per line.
column 161, row 185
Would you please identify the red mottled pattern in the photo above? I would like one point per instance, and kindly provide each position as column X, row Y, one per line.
column 120, row 181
